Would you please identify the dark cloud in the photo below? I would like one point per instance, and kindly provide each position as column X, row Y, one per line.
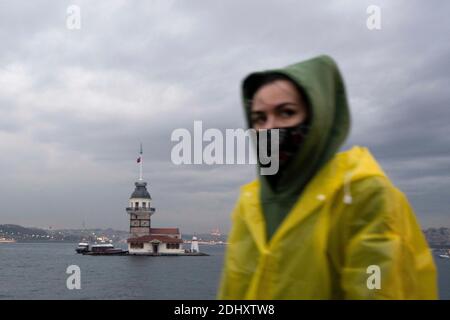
column 74, row 105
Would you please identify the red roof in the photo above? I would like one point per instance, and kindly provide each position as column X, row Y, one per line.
column 164, row 231
column 164, row 239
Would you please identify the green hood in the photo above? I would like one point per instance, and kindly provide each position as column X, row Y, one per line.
column 324, row 90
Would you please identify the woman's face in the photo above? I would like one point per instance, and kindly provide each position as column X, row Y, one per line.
column 277, row 105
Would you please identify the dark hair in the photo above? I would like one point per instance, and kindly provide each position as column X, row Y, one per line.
column 257, row 80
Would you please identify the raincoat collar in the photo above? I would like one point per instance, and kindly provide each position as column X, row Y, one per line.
column 345, row 167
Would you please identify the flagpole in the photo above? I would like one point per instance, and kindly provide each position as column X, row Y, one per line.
column 140, row 164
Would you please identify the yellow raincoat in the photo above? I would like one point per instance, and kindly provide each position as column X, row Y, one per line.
column 350, row 234
column 325, row 248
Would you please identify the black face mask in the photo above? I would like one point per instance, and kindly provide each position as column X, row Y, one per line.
column 290, row 140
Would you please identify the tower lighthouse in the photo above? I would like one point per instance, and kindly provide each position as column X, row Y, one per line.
column 139, row 207
column 140, row 210
column 145, row 240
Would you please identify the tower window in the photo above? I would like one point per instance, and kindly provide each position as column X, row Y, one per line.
column 143, row 204
column 136, row 205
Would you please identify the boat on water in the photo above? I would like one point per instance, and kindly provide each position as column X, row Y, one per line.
column 5, row 240
column 82, row 247
column 444, row 254
column 102, row 249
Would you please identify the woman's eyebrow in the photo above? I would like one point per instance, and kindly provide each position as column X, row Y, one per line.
column 279, row 105
column 283, row 104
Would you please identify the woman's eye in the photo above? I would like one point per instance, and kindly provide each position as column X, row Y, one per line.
column 258, row 119
column 287, row 113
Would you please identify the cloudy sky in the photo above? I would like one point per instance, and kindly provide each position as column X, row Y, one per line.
column 75, row 103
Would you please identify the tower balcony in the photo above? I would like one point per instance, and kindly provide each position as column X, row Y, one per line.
column 140, row 210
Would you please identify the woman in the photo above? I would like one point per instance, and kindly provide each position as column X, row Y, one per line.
column 328, row 225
